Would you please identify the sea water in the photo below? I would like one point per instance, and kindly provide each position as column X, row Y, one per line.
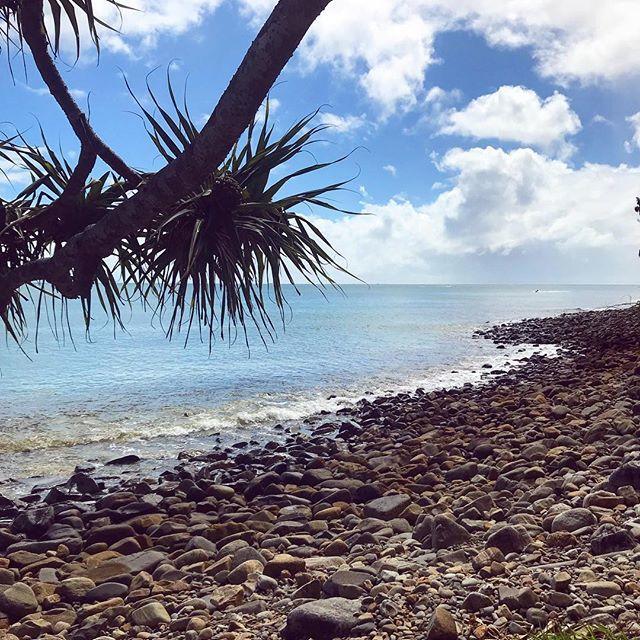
column 91, row 400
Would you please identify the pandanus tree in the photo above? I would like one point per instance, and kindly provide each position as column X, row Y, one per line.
column 206, row 240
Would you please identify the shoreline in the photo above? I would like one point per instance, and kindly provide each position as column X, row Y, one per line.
column 473, row 370
column 493, row 508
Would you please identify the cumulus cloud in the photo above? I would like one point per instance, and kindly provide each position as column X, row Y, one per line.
column 517, row 114
column 388, row 45
column 12, row 179
column 391, row 169
column 141, row 25
column 498, row 203
column 343, row 124
column 634, row 121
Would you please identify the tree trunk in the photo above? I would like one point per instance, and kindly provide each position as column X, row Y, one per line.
column 268, row 54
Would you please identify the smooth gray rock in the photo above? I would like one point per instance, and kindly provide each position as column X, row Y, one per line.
column 322, row 620
column 387, row 507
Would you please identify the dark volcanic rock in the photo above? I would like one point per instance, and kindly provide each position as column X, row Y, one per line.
column 626, row 475
column 34, row 522
column 508, row 539
column 123, row 460
column 608, row 538
column 322, row 620
column 387, row 507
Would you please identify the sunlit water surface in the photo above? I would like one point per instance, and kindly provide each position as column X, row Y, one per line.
column 141, row 394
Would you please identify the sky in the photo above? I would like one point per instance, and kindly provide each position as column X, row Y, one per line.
column 494, row 141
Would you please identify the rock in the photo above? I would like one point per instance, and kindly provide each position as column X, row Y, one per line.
column 123, row 460
column 322, row 620
column 441, row 626
column 561, row 581
column 447, row 533
column 476, row 601
column 151, row 615
column 227, row 596
column 508, row 539
column 188, row 558
column 84, row 483
column 602, row 499
column 608, row 538
column 309, row 590
column 560, row 410
column 247, row 553
column 387, row 507
column 604, row 588
column 18, row 601
column 110, row 533
column 423, row 529
column 572, row 520
column 75, row 589
column 244, row 570
column 463, row 472
column 346, row 584
column 508, row 596
column 626, row 475
column 33, row 522
column 486, row 558
column 106, row 591
column 539, row 618
column 283, row 562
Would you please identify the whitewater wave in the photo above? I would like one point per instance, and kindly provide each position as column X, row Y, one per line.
column 241, row 418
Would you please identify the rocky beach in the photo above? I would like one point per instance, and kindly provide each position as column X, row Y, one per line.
column 487, row 511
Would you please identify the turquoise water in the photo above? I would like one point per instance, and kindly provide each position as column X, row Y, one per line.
column 141, row 394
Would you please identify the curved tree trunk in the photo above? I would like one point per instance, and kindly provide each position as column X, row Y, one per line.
column 268, row 54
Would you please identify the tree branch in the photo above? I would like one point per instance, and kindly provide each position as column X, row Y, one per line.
column 269, row 53
column 33, row 31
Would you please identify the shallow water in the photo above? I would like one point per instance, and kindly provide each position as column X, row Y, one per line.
column 141, row 394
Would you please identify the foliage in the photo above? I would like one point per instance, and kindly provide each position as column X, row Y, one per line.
column 581, row 633
column 69, row 14
column 215, row 260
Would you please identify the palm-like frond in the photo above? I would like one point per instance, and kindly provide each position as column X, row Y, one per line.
column 32, row 226
column 216, row 260
column 72, row 15
column 220, row 256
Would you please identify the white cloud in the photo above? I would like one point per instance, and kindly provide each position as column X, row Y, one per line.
column 12, row 179
column 274, row 105
column 78, row 94
column 391, row 169
column 600, row 119
column 516, row 114
column 140, row 26
column 388, row 45
column 343, row 124
column 634, row 121
column 498, row 203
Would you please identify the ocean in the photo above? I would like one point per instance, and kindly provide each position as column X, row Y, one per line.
column 137, row 393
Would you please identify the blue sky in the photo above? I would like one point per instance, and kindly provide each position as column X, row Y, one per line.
column 497, row 141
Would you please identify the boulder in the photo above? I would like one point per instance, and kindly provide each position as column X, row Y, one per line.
column 322, row 620
column 447, row 533
column 347, row 584
column 387, row 507
column 18, row 601
column 508, row 539
column 441, row 626
column 283, row 562
column 572, row 520
column 626, row 475
column 608, row 538
column 151, row 615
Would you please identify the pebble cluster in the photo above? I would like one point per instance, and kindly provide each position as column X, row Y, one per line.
column 487, row 511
